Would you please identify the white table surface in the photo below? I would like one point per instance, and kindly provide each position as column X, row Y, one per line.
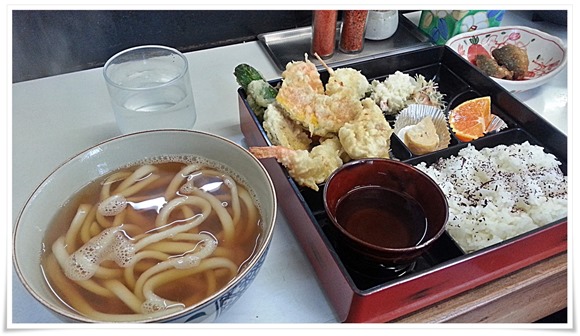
column 56, row 117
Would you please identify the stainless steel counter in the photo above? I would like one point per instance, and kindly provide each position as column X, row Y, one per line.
column 291, row 45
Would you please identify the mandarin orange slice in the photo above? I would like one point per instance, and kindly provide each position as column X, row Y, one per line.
column 469, row 120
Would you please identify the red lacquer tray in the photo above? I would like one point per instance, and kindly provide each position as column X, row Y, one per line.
column 360, row 295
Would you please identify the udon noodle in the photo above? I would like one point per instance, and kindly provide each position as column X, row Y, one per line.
column 151, row 239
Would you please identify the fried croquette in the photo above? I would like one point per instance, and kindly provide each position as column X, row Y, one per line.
column 513, row 58
column 490, row 67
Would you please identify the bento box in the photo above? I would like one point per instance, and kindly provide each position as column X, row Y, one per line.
column 363, row 295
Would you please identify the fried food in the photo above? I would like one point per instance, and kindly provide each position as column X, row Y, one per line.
column 283, row 131
column 303, row 74
column 490, row 67
column 262, row 92
column 304, row 100
column 259, row 92
column 513, row 58
column 300, row 87
column 306, row 168
column 369, row 135
column 347, row 81
column 339, row 116
column 332, row 113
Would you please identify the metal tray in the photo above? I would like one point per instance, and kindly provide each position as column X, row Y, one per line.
column 291, row 45
column 363, row 295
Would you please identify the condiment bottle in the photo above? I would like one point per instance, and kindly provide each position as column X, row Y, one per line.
column 381, row 24
column 353, row 31
column 324, row 32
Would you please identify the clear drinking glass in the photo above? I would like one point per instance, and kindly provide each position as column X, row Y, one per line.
column 150, row 88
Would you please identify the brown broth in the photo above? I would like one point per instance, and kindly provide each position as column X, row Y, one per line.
column 144, row 207
column 382, row 217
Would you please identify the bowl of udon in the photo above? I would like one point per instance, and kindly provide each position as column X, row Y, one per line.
column 154, row 226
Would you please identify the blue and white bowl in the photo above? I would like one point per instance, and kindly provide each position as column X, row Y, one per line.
column 111, row 155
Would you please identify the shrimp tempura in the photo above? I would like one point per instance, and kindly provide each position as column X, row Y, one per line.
column 306, row 168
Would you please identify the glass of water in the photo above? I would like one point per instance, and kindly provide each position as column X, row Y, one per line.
column 150, row 88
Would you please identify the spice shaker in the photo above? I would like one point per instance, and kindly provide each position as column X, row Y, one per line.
column 381, row 24
column 353, row 31
column 324, row 32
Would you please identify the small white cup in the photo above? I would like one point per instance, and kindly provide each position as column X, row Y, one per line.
column 150, row 89
column 381, row 24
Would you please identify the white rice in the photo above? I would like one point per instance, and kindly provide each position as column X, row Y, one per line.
column 498, row 193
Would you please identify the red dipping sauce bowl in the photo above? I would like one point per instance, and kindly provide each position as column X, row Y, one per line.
column 385, row 213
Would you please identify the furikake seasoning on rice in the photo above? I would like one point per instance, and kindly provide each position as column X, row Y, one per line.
column 498, row 193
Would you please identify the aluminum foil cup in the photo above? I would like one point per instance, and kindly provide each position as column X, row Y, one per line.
column 414, row 113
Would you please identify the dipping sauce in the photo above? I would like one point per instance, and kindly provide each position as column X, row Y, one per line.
column 382, row 217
